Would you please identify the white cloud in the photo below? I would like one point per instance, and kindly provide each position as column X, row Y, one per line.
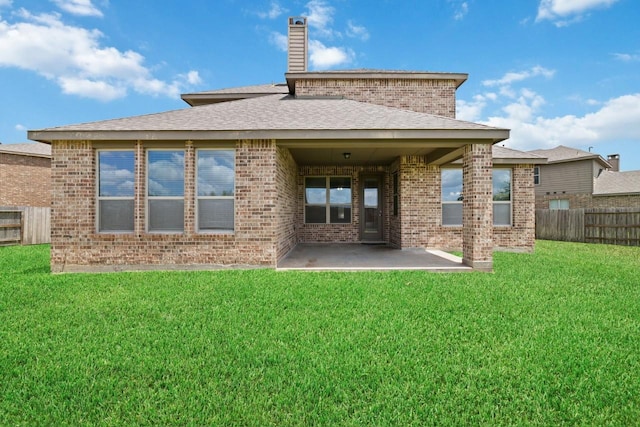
column 274, row 11
column 616, row 120
column 74, row 58
column 20, row 128
column 461, row 11
column 323, row 57
column 320, row 17
column 627, row 57
column 357, row 31
column 566, row 12
column 6, row 3
column 513, row 77
column 78, row 7
column 279, row 40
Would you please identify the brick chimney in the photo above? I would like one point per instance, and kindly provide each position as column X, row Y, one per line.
column 298, row 46
column 614, row 161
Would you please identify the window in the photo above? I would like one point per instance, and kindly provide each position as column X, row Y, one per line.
column 536, row 175
column 395, row 194
column 216, row 189
column 452, row 197
column 115, row 191
column 165, row 191
column 559, row 204
column 327, row 200
column 501, row 196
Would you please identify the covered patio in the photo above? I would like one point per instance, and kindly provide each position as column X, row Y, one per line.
column 365, row 257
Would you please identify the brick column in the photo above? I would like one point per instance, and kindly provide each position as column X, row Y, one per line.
column 140, row 189
column 477, row 207
column 189, row 189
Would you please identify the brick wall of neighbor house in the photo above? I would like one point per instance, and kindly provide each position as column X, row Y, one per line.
column 287, row 184
column 425, row 96
column 77, row 246
column 25, row 180
column 340, row 233
column 586, row 201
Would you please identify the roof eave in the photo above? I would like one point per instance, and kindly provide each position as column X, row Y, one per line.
column 492, row 135
column 22, row 153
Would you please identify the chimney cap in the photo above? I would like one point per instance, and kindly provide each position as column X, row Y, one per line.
column 613, row 156
column 297, row 20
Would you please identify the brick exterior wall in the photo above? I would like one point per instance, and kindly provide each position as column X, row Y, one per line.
column 420, row 197
column 341, row 233
column 425, row 96
column 25, row 180
column 587, row 201
column 522, row 234
column 287, row 207
column 77, row 246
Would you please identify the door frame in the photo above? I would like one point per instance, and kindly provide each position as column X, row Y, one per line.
column 379, row 235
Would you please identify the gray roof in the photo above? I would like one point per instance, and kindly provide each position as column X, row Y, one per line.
column 36, row 149
column 516, row 156
column 562, row 153
column 234, row 94
column 610, row 183
column 279, row 117
column 261, row 89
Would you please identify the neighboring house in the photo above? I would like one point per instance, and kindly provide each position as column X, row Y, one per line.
column 245, row 174
column 573, row 179
column 25, row 175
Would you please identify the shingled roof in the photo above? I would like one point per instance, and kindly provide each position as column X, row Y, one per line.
column 35, row 149
column 233, row 94
column 562, row 154
column 280, row 117
column 610, row 183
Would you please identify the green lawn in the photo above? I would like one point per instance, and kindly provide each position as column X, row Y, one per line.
column 548, row 339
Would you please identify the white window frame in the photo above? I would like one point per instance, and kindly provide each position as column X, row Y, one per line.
column 150, row 198
column 450, row 202
column 198, row 198
column 504, row 202
column 327, row 203
column 100, row 198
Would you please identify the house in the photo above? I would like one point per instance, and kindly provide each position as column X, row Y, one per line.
column 574, row 179
column 245, row 174
column 25, row 175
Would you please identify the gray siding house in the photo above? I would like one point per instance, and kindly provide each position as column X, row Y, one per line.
column 574, row 179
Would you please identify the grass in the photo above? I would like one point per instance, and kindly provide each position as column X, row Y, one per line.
column 548, row 339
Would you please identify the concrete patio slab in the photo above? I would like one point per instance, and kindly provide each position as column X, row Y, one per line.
column 363, row 257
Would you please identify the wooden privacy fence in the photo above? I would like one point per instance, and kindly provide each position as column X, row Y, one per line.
column 616, row 226
column 25, row 225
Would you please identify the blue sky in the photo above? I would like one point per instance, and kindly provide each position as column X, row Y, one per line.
column 554, row 71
